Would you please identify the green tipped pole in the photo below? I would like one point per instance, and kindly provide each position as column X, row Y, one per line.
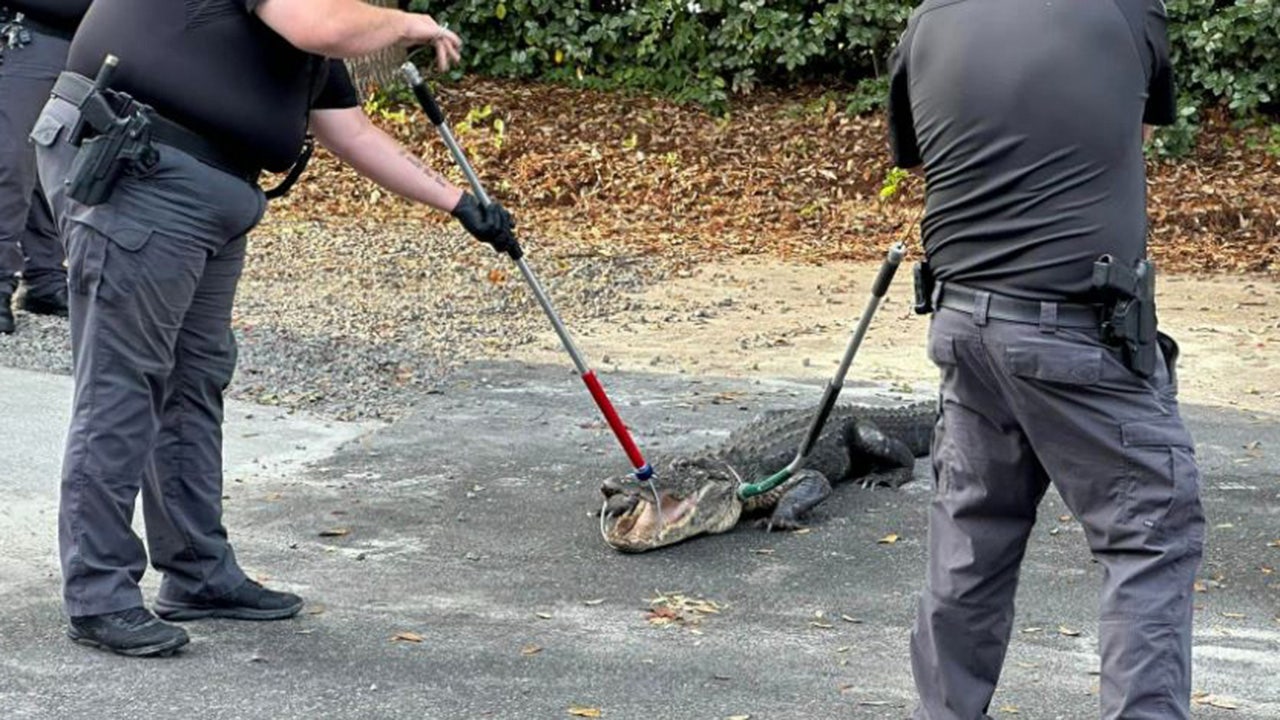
column 878, row 290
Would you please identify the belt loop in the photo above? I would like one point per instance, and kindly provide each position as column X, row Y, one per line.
column 935, row 299
column 1048, row 317
column 981, row 306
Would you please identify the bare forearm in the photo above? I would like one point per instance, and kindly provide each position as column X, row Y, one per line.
column 337, row 28
column 355, row 140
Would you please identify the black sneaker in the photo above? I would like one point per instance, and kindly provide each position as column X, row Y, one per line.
column 250, row 601
column 7, row 325
column 46, row 302
column 134, row 632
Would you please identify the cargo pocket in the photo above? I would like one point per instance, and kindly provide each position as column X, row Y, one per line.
column 1160, row 483
column 101, row 250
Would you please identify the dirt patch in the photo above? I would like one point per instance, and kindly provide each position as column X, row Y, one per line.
column 750, row 316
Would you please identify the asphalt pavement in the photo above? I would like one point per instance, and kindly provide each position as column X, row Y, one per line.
column 453, row 569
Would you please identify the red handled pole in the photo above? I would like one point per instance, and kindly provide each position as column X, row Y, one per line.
column 643, row 471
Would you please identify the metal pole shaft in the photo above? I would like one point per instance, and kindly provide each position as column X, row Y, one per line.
column 538, row 291
column 643, row 471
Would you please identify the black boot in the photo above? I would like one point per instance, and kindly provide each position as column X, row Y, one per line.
column 49, row 300
column 134, row 632
column 7, row 325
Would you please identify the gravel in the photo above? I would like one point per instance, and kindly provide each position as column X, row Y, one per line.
column 356, row 322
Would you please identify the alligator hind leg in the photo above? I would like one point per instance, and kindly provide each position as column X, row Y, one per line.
column 810, row 488
column 894, row 462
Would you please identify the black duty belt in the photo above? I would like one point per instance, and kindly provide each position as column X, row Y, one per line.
column 73, row 88
column 44, row 28
column 1033, row 312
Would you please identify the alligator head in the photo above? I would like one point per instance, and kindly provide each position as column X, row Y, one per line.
column 696, row 496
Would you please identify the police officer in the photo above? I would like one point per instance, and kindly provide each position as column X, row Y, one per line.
column 221, row 89
column 1028, row 119
column 34, row 36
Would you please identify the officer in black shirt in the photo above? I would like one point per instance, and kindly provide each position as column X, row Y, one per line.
column 221, row 90
column 1028, row 120
column 34, row 36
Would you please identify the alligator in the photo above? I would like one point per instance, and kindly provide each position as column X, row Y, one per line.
column 697, row 494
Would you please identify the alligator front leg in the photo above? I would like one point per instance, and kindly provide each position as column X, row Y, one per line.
column 893, row 461
column 809, row 488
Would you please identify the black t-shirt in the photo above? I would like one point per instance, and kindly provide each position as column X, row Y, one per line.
column 214, row 67
column 64, row 14
column 1027, row 117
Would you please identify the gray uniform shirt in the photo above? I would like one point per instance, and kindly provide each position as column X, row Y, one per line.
column 1027, row 118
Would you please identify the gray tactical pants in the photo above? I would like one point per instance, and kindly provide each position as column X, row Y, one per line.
column 153, row 273
column 29, row 245
column 1024, row 406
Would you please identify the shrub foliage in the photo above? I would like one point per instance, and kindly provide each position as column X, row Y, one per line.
column 1226, row 52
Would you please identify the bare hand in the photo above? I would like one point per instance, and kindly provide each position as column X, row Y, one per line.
column 425, row 30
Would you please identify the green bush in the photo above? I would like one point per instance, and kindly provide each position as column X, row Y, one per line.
column 689, row 50
column 1225, row 51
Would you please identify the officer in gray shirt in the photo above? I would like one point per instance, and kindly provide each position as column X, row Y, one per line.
column 34, row 37
column 1028, row 119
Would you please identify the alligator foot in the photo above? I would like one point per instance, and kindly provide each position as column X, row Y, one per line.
column 780, row 524
column 811, row 487
column 893, row 479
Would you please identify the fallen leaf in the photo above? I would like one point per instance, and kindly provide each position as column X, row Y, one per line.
column 315, row 610
column 802, row 531
column 889, row 539
column 543, row 615
column 1064, row 518
column 821, row 625
column 874, row 703
column 335, row 532
column 844, row 649
column 1199, row 586
column 1064, row 630
column 530, row 650
column 1009, row 709
column 597, row 601
column 1204, row 698
column 585, row 711
column 1031, row 630
column 1234, row 615
column 1274, row 543
column 849, row 619
column 408, row 637
column 763, row 551
column 738, row 717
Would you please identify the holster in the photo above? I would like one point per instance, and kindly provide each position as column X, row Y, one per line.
column 1129, row 321
column 925, row 284
column 114, row 136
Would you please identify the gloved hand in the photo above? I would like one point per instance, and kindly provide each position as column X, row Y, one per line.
column 488, row 223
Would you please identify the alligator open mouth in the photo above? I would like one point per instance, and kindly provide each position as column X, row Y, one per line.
column 634, row 522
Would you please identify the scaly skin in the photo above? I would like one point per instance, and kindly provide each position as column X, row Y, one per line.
column 699, row 493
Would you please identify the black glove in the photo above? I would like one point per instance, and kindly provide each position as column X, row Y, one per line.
column 488, row 223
